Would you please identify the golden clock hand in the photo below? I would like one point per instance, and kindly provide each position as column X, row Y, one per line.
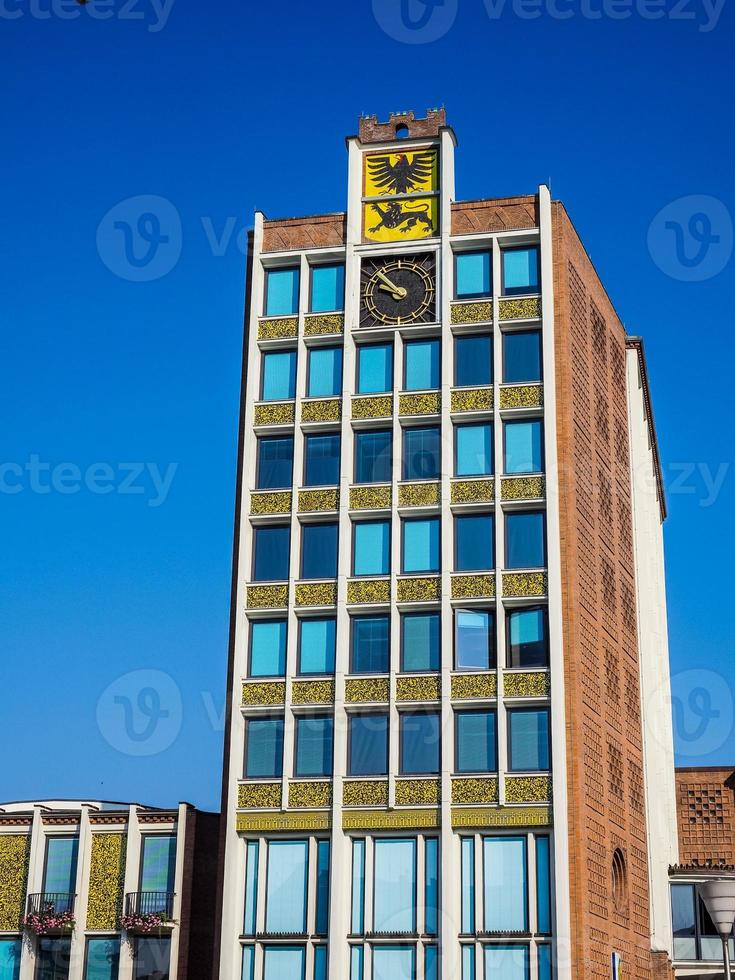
column 382, row 276
column 397, row 292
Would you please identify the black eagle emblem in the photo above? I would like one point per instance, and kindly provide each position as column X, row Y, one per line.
column 402, row 176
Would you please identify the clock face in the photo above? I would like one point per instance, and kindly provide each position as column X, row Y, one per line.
column 398, row 290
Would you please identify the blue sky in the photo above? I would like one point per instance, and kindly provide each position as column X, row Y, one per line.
column 222, row 108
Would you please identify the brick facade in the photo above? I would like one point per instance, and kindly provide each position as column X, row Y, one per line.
column 706, row 811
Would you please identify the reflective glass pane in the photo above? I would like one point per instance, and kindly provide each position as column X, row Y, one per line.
column 473, row 274
column 394, row 962
column 527, row 644
column 422, row 365
column 314, row 746
column 284, row 962
column 374, row 369
column 10, row 950
column 529, row 740
column 520, row 270
column 420, row 741
column 279, row 375
column 468, row 884
column 317, row 645
column 61, row 865
column 285, row 906
column 102, row 962
column 420, row 641
column 431, row 886
column 371, row 548
column 327, row 288
column 268, row 648
column 473, row 361
column 373, row 457
column 521, row 357
column 282, row 292
column 394, row 898
column 322, row 889
column 321, row 461
column 152, row 958
column 325, row 372
column 358, row 887
column 356, row 963
column 368, row 745
column 468, row 963
column 544, row 962
column 320, row 963
column 474, row 450
column 53, row 960
column 474, row 641
column 543, row 885
column 523, row 447
column 248, row 963
column 251, row 887
column 506, row 962
column 525, row 540
column 421, row 454
column 421, row 545
column 370, row 645
column 474, row 544
column 275, row 463
column 319, row 551
column 476, row 741
column 158, row 870
column 506, row 887
column 264, row 751
column 272, row 548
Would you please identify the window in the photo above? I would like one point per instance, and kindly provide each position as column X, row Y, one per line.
column 370, row 645
column 473, row 361
column 252, row 858
column 472, row 274
column 284, row 962
column 327, row 288
column 314, row 740
column 507, row 962
column 474, row 545
column 431, row 961
column 394, row 962
column 474, row 639
column 321, row 461
column 248, row 962
column 520, row 271
column 279, row 375
column 371, row 548
column 152, row 958
column 319, row 550
column 317, row 645
column 263, row 748
column 102, row 959
column 281, row 291
column 419, row 745
column 275, row 463
column 421, row 545
column 268, row 648
column 272, row 548
column 431, row 888
column 473, row 450
column 525, row 540
column 10, row 950
column 325, row 372
column 421, row 364
column 322, row 892
column 373, row 457
column 358, row 887
column 286, row 883
column 506, row 887
column 357, row 958
column 368, row 745
column 528, row 739
column 684, row 922
column 394, row 899
column 523, row 447
column 468, row 884
column 475, row 741
column 421, row 454
column 60, row 873
column 321, row 957
column 374, row 368
column 420, row 641
column 53, row 959
column 521, row 356
column 468, row 962
column 158, row 864
column 544, row 961
column 527, row 638
column 543, row 886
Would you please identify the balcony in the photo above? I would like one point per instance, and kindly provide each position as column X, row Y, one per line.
column 50, row 912
column 150, row 903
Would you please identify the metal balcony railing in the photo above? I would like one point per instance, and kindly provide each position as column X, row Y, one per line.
column 53, row 903
column 150, row 903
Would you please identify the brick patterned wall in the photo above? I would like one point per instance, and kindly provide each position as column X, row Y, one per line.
column 497, row 214
column 706, row 810
column 317, row 231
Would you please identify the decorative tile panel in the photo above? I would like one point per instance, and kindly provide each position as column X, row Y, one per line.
column 373, row 407
column 365, row 792
column 258, row 796
column 312, row 692
column 419, row 589
column 472, row 399
column 363, row 690
column 421, row 403
column 287, row 821
column 472, row 312
column 368, row 591
column 263, row 693
column 473, row 586
column 466, row 687
column 501, row 816
column 317, row 324
column 267, row 596
column 400, row 819
column 526, row 308
column 418, row 688
column 278, row 329
column 419, row 494
column 521, row 396
column 525, row 584
column 309, row 795
column 418, row 792
column 473, row 491
column 318, row 500
column 370, row 498
column 527, row 789
column 106, row 881
column 15, row 850
column 475, row 790
column 522, row 488
column 534, row 684
column 270, row 503
column 274, row 413
column 316, row 594
column 321, row 410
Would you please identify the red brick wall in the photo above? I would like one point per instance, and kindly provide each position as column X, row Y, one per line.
column 706, row 811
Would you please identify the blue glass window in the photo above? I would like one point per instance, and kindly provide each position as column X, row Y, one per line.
column 394, row 896
column 473, row 450
column 250, row 917
column 358, row 887
column 268, row 648
column 152, row 958
column 374, row 457
column 320, row 962
column 317, row 645
column 420, row 641
column 543, row 885
column 158, row 869
column 422, row 364
column 474, row 639
column 272, row 548
column 263, row 748
column 374, row 368
column 473, row 361
column 370, row 645
column 371, row 548
column 421, row 545
column 394, row 962
column 319, row 550
column 420, row 742
column 248, row 962
column 284, row 962
column 506, row 962
column 544, row 961
column 357, row 957
column 523, row 447
column 528, row 740
column 468, row 962
column 506, row 887
column 321, row 461
column 53, row 959
column 102, row 960
column 474, row 545
column 285, row 898
column 431, row 962
column 527, row 638
column 282, row 291
column 473, row 274
column 325, row 372
column 684, row 922
column 521, row 356
column 520, row 271
column 279, row 375
column 468, row 884
column 475, row 741
column 275, row 463
column 322, row 889
column 368, row 744
column 421, row 454
column 314, row 740
column 431, row 886
column 10, row 950
column 327, row 288
column 60, row 874
column 525, row 540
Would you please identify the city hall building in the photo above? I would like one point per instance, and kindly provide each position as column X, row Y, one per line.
column 449, row 749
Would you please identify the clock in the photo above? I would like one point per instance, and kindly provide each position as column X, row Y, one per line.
column 398, row 290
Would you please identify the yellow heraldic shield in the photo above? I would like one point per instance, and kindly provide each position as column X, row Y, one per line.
column 407, row 219
column 401, row 173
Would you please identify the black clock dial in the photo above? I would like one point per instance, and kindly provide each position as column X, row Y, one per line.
column 398, row 290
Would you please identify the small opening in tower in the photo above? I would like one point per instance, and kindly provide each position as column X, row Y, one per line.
column 401, row 131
